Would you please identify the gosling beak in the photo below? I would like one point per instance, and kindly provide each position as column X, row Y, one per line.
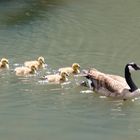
column 67, row 74
column 43, row 62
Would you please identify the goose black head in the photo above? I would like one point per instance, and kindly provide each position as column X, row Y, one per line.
column 133, row 67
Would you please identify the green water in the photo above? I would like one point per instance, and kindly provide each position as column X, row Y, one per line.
column 100, row 33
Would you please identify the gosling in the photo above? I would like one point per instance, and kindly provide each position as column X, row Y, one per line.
column 25, row 71
column 56, row 78
column 39, row 63
column 71, row 70
column 4, row 63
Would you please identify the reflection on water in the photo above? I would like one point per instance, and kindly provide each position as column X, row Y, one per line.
column 19, row 12
column 93, row 33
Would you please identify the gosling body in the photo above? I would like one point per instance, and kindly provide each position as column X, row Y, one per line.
column 39, row 63
column 56, row 78
column 74, row 69
column 25, row 71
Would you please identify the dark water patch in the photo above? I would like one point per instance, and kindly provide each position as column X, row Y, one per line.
column 16, row 12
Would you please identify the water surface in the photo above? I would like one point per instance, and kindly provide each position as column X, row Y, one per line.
column 94, row 33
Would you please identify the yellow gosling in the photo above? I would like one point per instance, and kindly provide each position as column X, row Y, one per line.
column 4, row 63
column 71, row 70
column 39, row 63
column 56, row 78
column 25, row 71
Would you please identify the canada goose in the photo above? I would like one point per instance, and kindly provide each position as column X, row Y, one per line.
column 113, row 85
column 71, row 70
column 4, row 63
column 39, row 63
column 25, row 71
column 56, row 78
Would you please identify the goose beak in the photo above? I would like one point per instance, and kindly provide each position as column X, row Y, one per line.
column 138, row 67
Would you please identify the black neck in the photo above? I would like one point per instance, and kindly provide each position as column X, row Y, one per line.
column 129, row 80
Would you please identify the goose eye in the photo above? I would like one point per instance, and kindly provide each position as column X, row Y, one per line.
column 135, row 65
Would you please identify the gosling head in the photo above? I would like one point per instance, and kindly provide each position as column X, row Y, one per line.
column 132, row 67
column 64, row 74
column 33, row 69
column 41, row 60
column 75, row 66
column 4, row 61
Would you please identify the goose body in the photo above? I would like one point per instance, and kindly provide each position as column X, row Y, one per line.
column 74, row 69
column 114, row 85
column 25, row 71
column 56, row 78
column 39, row 63
column 4, row 63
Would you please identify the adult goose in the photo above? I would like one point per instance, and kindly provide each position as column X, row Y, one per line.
column 74, row 69
column 113, row 85
column 4, row 63
column 39, row 63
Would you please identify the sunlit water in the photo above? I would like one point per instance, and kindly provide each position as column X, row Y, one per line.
column 95, row 33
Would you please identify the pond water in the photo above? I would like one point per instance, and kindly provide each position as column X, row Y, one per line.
column 94, row 33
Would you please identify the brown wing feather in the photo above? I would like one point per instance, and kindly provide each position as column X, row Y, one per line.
column 118, row 78
column 106, row 81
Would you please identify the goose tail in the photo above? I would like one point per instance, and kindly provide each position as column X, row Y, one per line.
column 131, row 95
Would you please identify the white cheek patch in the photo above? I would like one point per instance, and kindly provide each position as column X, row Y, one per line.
column 131, row 68
column 89, row 83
